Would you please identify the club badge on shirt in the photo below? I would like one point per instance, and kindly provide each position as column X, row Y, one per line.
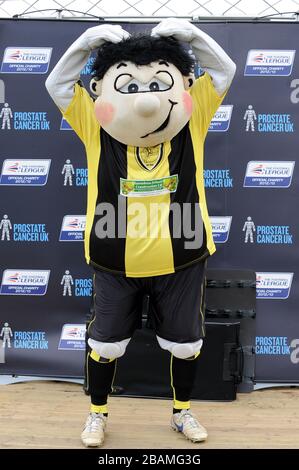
column 149, row 157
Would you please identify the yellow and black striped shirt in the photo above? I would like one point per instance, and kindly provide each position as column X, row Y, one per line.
column 169, row 173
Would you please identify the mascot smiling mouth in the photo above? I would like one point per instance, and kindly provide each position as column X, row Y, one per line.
column 165, row 123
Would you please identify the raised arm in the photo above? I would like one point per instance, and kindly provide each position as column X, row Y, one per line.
column 60, row 83
column 211, row 57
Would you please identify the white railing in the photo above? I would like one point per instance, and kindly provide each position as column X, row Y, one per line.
column 141, row 9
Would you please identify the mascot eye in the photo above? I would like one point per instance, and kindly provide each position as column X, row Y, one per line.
column 163, row 83
column 133, row 88
column 154, row 86
column 130, row 87
column 164, row 79
column 123, row 85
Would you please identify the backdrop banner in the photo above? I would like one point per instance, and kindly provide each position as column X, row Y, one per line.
column 251, row 176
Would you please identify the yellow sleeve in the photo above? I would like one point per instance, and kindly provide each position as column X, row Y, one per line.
column 80, row 115
column 206, row 101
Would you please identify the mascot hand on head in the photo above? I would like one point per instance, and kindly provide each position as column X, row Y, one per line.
column 142, row 83
column 147, row 225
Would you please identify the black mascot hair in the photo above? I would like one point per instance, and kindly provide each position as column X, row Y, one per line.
column 142, row 50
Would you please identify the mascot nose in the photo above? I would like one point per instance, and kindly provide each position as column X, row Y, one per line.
column 146, row 104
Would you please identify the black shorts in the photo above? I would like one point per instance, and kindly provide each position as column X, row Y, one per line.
column 177, row 305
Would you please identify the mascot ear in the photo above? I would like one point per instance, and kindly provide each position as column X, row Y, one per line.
column 188, row 81
column 95, row 86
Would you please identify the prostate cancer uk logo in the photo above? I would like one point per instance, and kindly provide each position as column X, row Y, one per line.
column 273, row 285
column 262, row 62
column 72, row 229
column 221, row 119
column 24, row 282
column 221, row 228
column 24, row 172
column 26, row 60
column 262, row 174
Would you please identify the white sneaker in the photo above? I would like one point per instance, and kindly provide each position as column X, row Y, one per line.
column 187, row 424
column 94, row 430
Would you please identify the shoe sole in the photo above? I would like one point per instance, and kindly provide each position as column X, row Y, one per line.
column 92, row 443
column 189, row 438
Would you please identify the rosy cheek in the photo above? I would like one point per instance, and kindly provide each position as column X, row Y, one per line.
column 104, row 112
column 188, row 103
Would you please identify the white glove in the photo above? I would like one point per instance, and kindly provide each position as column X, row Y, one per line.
column 182, row 30
column 60, row 82
column 210, row 55
column 94, row 37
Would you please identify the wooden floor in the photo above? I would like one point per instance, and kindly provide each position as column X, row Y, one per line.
column 51, row 415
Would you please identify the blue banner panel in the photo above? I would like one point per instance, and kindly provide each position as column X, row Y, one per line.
column 251, row 178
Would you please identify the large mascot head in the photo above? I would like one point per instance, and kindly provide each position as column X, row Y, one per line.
column 141, row 85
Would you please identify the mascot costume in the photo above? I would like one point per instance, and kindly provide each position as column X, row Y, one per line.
column 147, row 227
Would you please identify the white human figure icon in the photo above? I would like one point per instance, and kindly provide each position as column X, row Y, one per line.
column 250, row 117
column 67, row 282
column 5, row 225
column 6, row 333
column 6, row 115
column 249, row 228
column 68, row 171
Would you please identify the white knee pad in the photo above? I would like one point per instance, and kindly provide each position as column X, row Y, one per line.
column 109, row 350
column 180, row 350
